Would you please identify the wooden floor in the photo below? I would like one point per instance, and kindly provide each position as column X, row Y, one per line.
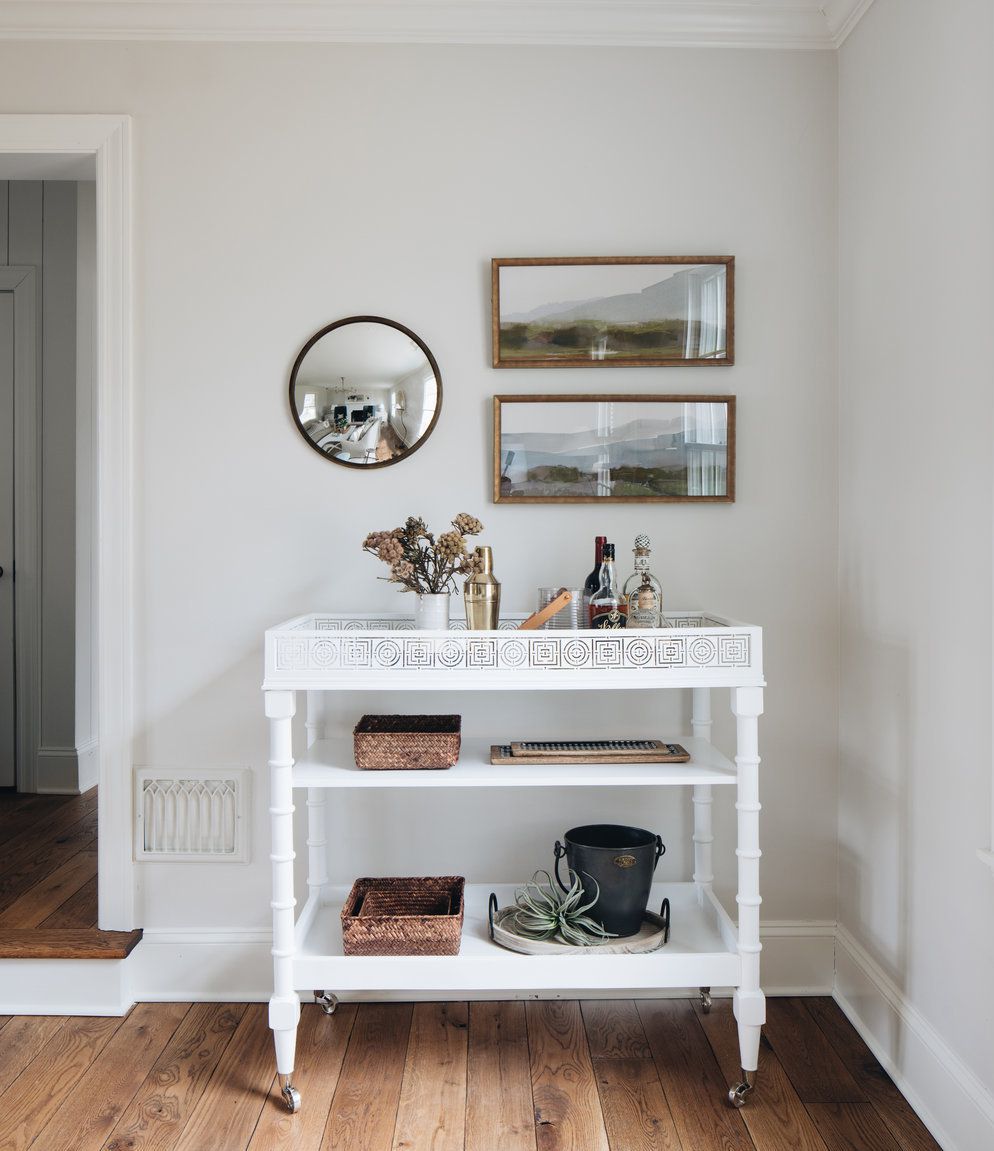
column 48, row 860
column 48, row 880
column 542, row 1076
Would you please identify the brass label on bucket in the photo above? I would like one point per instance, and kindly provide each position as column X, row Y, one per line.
column 624, row 861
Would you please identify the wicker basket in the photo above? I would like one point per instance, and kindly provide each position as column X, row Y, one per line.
column 417, row 916
column 406, row 742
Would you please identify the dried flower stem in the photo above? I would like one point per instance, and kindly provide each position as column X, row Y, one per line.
column 419, row 562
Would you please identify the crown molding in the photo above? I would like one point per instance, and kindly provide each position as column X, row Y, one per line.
column 804, row 24
column 842, row 16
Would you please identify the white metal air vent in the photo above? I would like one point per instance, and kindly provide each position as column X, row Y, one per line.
column 192, row 815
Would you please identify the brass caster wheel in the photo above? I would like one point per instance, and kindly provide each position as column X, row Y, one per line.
column 738, row 1093
column 706, row 1000
column 327, row 1001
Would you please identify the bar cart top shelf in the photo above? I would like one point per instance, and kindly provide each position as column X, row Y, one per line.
column 332, row 651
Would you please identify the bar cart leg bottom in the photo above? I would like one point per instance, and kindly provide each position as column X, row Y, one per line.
column 739, row 1092
column 284, row 1015
column 706, row 1000
column 750, row 1011
column 291, row 1096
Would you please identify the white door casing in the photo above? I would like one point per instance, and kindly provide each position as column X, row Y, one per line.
column 108, row 139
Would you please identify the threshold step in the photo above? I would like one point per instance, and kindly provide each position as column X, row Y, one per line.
column 63, row 943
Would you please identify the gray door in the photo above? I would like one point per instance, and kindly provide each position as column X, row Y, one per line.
column 7, row 730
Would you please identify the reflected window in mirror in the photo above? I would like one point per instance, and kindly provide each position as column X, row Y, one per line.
column 365, row 392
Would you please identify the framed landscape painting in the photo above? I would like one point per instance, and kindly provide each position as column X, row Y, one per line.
column 613, row 311
column 620, row 449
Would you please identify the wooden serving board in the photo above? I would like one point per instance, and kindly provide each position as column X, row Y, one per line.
column 589, row 751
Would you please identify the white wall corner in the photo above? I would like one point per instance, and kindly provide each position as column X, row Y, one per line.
column 987, row 857
column 953, row 1102
column 842, row 16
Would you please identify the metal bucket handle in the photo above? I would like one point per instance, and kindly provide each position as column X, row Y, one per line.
column 660, row 850
column 560, row 853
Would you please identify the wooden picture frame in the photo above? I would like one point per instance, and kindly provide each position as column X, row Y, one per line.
column 613, row 311
column 624, row 449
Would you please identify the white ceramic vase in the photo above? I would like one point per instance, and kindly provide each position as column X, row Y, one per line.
column 431, row 612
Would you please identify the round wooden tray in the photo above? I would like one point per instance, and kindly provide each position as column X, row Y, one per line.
column 654, row 933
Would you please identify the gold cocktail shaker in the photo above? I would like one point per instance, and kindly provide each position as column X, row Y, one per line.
column 482, row 595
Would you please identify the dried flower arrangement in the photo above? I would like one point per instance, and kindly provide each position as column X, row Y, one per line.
column 418, row 561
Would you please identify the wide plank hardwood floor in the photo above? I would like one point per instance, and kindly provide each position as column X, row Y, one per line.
column 558, row 1075
column 48, row 881
column 48, row 860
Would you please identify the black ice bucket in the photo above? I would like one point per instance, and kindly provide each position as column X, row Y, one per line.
column 621, row 860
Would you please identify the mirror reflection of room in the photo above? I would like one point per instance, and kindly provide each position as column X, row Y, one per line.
column 365, row 393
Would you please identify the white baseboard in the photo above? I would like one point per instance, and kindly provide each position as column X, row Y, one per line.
column 67, row 770
column 174, row 966
column 955, row 1105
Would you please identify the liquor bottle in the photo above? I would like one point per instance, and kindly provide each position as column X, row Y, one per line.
column 605, row 606
column 642, row 594
column 592, row 582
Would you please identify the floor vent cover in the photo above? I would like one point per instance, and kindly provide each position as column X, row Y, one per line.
column 191, row 815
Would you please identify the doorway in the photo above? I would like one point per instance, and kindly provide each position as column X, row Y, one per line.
column 43, row 147
column 47, row 671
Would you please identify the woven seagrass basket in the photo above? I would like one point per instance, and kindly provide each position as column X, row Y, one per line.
column 404, row 916
column 407, row 742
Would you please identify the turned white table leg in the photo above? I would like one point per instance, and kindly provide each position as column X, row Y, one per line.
column 748, row 1002
column 317, row 819
column 284, row 1006
column 703, row 831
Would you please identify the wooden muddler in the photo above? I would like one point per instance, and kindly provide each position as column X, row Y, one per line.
column 538, row 618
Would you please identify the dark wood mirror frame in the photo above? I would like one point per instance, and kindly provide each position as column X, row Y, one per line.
column 341, row 324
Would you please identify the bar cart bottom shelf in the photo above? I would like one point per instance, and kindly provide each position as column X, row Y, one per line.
column 702, row 952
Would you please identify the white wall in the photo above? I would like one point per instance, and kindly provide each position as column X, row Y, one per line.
column 916, row 189
column 267, row 206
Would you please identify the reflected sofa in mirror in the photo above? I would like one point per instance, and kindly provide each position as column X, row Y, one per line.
column 365, row 392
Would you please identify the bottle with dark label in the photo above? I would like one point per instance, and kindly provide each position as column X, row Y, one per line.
column 593, row 580
column 605, row 605
column 642, row 594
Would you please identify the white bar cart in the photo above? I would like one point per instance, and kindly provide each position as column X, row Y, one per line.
column 337, row 653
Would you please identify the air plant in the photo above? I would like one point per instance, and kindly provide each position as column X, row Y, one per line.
column 544, row 911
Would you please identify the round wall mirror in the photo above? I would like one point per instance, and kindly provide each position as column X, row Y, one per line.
column 365, row 392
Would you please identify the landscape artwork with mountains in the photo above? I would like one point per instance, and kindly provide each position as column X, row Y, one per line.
column 625, row 311
column 632, row 449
